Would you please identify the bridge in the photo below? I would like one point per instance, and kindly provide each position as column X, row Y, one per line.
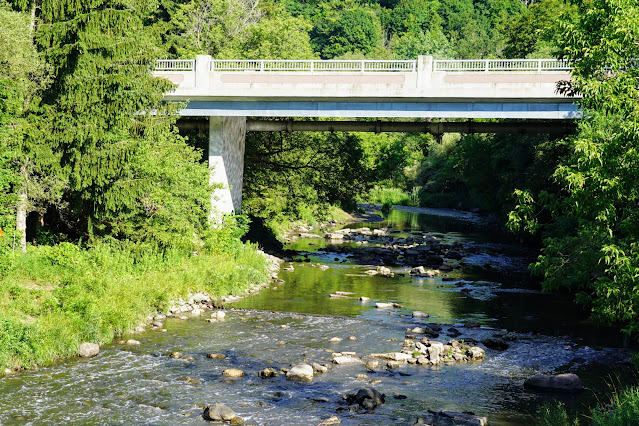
column 228, row 91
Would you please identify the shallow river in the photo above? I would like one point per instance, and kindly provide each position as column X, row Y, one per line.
column 292, row 322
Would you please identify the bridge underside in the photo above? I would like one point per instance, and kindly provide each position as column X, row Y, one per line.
column 227, row 141
column 507, row 109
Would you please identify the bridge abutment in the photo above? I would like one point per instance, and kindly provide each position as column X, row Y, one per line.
column 226, row 163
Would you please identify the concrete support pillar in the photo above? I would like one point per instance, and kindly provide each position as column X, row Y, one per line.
column 424, row 70
column 226, row 162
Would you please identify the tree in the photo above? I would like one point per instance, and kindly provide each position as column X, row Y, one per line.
column 22, row 74
column 593, row 249
column 343, row 28
column 533, row 30
column 126, row 172
column 238, row 29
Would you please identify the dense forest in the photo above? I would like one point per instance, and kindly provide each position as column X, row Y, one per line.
column 90, row 178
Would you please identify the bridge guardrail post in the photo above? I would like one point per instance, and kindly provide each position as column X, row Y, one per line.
column 202, row 67
column 425, row 66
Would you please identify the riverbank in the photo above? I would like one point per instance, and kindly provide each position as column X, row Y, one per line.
column 56, row 297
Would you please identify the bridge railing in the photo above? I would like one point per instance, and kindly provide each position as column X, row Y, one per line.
column 446, row 65
column 175, row 65
column 487, row 65
column 312, row 65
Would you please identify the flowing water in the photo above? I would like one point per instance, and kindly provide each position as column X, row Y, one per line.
column 293, row 321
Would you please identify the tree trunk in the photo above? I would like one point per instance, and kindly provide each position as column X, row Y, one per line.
column 21, row 216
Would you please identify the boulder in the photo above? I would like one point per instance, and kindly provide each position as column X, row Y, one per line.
column 372, row 364
column 88, row 350
column 268, row 372
column 435, row 352
column 334, row 236
column 367, row 398
column 300, row 373
column 232, row 372
column 347, row 360
column 450, row 418
column 393, row 356
column 319, row 369
column 476, row 354
column 216, row 356
column 384, row 271
column 495, row 343
column 567, row 382
column 218, row 315
column 219, row 412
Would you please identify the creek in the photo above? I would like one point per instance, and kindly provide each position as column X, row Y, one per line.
column 294, row 321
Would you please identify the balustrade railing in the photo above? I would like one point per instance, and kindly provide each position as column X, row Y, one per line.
column 311, row 65
column 488, row 65
column 446, row 65
column 175, row 65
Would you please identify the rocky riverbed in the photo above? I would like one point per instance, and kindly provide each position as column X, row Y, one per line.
column 392, row 348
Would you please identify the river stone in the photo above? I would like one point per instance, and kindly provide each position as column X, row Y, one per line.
column 335, row 339
column 367, row 398
column 383, row 305
column 347, row 360
column 268, row 372
column 88, row 350
column 476, row 353
column 450, row 418
column 132, row 342
column 372, row 364
column 319, row 369
column 333, row 420
column 420, row 314
column 393, row 356
column 561, row 382
column 334, row 236
column 232, row 372
column 218, row 412
column 216, row 356
column 300, row 373
column 495, row 343
column 218, row 314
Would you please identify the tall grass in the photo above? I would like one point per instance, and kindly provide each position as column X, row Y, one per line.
column 623, row 410
column 55, row 297
column 391, row 196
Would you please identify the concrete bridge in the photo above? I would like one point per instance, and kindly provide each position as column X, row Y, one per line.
column 228, row 91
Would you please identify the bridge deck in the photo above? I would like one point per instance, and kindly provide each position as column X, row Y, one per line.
column 423, row 88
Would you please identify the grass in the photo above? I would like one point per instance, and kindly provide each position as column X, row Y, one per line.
column 623, row 410
column 56, row 297
column 392, row 196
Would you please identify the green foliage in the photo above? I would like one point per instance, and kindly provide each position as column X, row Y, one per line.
column 483, row 171
column 532, row 32
column 597, row 256
column 554, row 414
column 344, row 27
column 389, row 197
column 56, row 297
column 622, row 410
column 291, row 173
column 237, row 29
